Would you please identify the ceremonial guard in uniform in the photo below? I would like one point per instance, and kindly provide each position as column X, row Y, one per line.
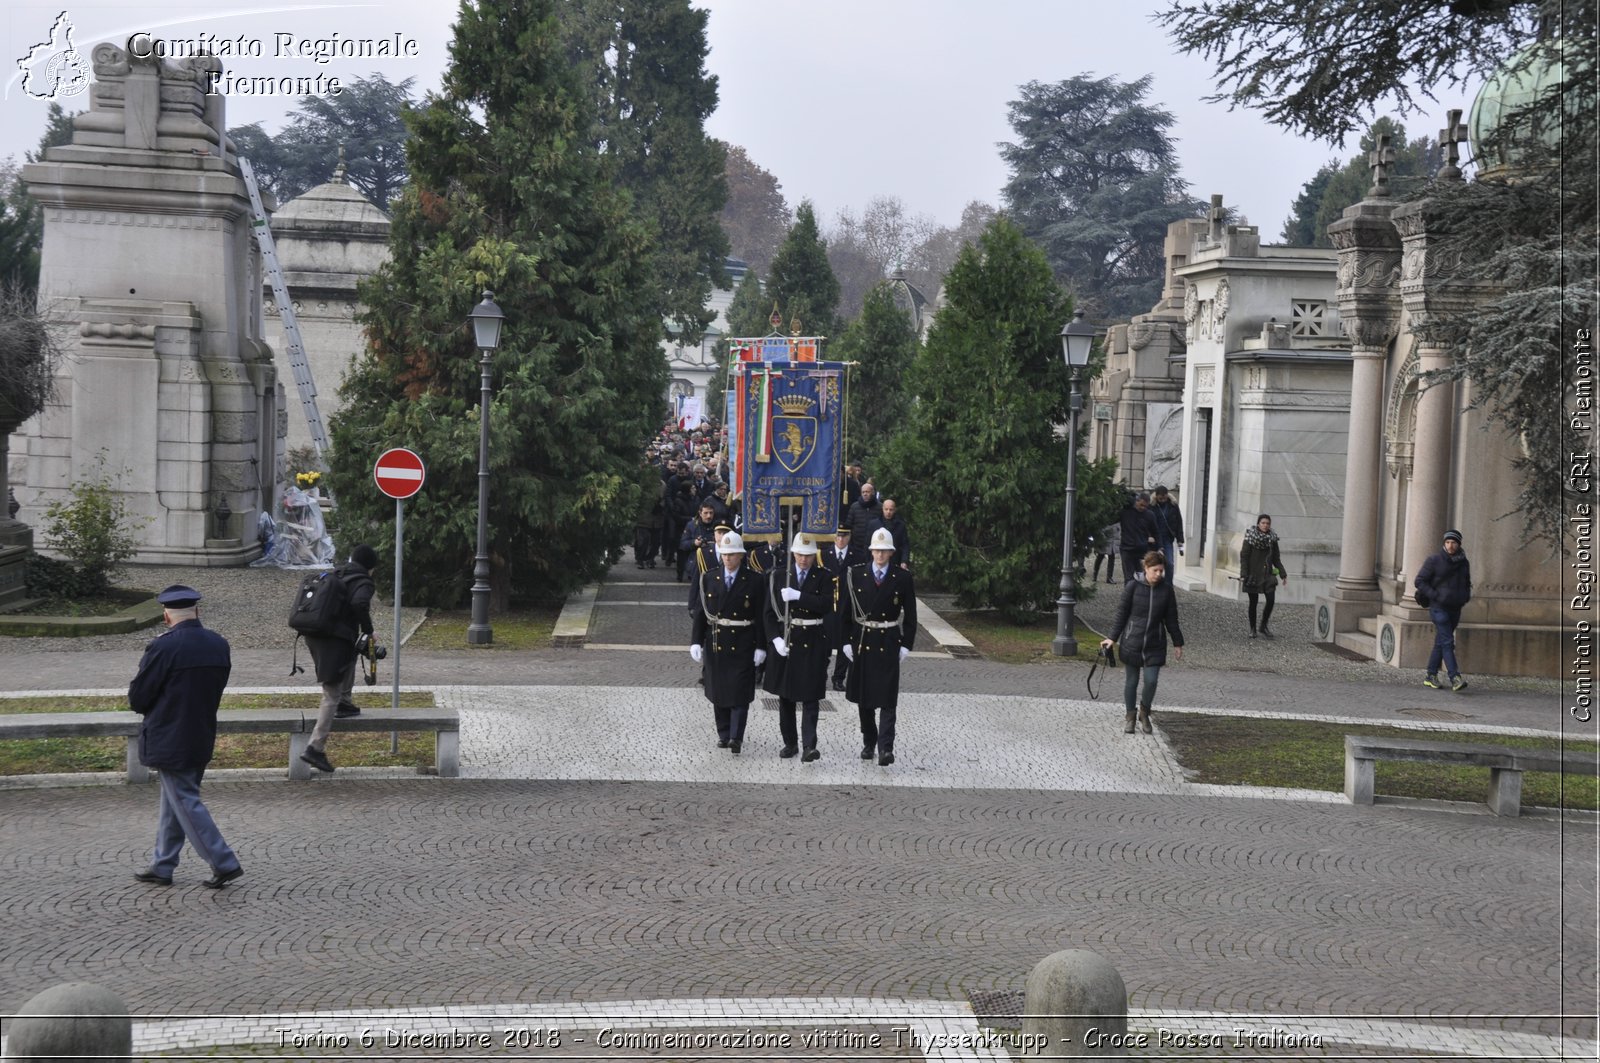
column 880, row 627
column 840, row 558
column 727, row 638
column 800, row 598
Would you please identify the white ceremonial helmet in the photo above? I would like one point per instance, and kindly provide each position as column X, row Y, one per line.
column 730, row 543
column 882, row 539
column 802, row 545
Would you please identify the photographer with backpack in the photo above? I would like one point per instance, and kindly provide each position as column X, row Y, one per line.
column 334, row 609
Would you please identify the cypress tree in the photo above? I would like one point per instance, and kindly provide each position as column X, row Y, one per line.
column 884, row 343
column 507, row 193
column 802, row 281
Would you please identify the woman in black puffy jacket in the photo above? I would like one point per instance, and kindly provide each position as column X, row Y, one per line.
column 1147, row 614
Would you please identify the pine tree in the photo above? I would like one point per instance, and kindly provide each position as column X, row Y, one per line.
column 646, row 61
column 884, row 342
column 979, row 466
column 1332, row 188
column 801, row 281
column 507, row 193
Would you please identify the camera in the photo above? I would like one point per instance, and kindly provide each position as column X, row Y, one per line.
column 376, row 652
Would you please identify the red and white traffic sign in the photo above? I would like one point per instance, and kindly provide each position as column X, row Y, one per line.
column 399, row 473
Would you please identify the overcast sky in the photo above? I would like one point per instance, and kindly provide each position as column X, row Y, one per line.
column 842, row 100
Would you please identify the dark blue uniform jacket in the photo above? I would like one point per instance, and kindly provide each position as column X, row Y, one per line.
column 177, row 690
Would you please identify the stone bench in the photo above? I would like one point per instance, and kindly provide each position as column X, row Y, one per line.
column 296, row 723
column 1505, row 764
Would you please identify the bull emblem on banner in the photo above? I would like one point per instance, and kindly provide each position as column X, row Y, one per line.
column 794, row 431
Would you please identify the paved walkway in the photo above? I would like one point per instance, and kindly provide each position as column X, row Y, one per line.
column 602, row 864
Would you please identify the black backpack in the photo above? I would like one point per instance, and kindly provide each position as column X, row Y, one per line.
column 320, row 604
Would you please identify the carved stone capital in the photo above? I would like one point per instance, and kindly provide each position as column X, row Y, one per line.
column 1371, row 332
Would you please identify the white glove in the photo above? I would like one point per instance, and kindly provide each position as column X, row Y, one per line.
column 789, row 594
column 761, row 658
column 697, row 653
column 849, row 652
column 1180, row 549
column 781, row 647
column 904, row 653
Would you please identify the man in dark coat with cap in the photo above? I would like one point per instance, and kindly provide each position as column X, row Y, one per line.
column 727, row 638
column 335, row 654
column 840, row 558
column 801, row 596
column 177, row 690
column 1445, row 580
column 880, row 627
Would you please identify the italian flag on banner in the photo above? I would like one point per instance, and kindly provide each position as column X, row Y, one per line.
column 764, row 414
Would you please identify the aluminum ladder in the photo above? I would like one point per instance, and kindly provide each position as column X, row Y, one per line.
column 291, row 327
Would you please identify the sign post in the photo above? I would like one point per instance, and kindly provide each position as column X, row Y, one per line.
column 399, row 474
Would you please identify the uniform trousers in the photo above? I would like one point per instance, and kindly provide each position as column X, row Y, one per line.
column 877, row 728
column 730, row 721
column 332, row 694
column 184, row 815
column 809, row 711
column 841, row 666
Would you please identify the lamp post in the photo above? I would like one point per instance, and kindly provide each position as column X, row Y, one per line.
column 486, row 320
column 1077, row 340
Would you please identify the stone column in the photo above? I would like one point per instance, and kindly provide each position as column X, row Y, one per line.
column 1369, row 310
column 1427, row 505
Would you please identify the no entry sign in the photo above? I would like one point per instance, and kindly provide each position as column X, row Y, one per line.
column 399, row 473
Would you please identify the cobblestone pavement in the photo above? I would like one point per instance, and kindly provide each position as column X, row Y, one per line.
column 601, row 851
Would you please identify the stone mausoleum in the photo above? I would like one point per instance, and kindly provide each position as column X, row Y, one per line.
column 149, row 260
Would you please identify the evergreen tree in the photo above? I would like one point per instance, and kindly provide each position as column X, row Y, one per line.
column 507, row 193
column 883, row 341
column 1332, row 188
column 1094, row 181
column 646, row 61
column 802, row 282
column 747, row 316
column 1319, row 66
column 366, row 120
column 980, row 466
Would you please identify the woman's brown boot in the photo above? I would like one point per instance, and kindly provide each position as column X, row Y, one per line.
column 1144, row 721
column 1127, row 727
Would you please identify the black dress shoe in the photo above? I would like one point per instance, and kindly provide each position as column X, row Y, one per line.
column 220, row 879
column 811, row 754
column 838, row 684
column 885, row 759
column 317, row 759
column 150, row 877
column 788, row 751
column 734, row 747
column 867, row 752
column 722, row 743
column 346, row 710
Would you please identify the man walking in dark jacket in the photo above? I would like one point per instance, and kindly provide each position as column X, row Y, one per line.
column 862, row 512
column 177, row 690
column 1445, row 580
column 1139, row 535
column 335, row 655
column 888, row 518
column 1169, row 523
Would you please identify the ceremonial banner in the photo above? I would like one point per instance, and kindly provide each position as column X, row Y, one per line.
column 792, row 436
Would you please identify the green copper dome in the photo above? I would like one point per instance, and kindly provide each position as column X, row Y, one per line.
column 1515, row 109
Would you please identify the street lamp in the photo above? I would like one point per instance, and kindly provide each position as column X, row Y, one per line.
column 486, row 320
column 1077, row 340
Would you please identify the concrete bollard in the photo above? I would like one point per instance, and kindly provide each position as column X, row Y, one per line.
column 1076, row 1005
column 77, row 1020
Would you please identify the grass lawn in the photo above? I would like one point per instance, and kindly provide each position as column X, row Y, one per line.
column 1001, row 640
column 528, row 627
column 112, row 601
column 39, row 756
column 1233, row 750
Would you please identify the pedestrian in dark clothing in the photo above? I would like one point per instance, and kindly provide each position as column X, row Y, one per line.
column 890, row 520
column 852, row 484
column 1444, row 586
column 1260, row 569
column 335, row 655
column 800, row 598
column 1138, row 535
column 727, row 639
column 682, row 508
column 1106, row 548
column 647, row 528
column 1169, row 523
column 177, row 690
column 1147, row 614
column 863, row 512
column 840, row 558
column 880, row 628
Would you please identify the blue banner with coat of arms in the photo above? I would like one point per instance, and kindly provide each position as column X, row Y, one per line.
column 791, row 442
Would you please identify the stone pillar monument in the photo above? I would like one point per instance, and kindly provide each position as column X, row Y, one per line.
column 1369, row 315
column 148, row 255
